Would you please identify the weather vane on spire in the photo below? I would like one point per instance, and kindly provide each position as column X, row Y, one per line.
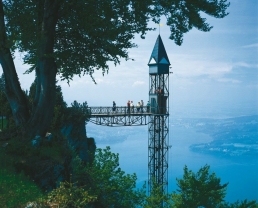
column 160, row 25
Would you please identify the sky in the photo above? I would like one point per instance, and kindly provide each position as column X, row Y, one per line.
column 215, row 74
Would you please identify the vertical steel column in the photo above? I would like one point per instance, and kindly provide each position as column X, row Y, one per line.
column 158, row 145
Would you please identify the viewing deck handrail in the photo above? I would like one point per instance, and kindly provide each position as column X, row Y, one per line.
column 127, row 110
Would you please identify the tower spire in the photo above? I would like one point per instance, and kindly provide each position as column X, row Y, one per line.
column 159, row 54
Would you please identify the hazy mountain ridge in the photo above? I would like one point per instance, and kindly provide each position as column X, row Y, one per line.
column 231, row 137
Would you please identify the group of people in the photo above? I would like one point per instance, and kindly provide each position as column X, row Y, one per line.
column 130, row 106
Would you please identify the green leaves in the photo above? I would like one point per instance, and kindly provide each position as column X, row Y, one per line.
column 157, row 197
column 107, row 181
column 89, row 34
column 112, row 186
column 243, row 204
column 199, row 189
column 69, row 195
column 182, row 16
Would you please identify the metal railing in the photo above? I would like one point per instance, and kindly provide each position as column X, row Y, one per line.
column 94, row 111
column 117, row 110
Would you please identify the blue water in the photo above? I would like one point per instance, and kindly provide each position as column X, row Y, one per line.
column 240, row 172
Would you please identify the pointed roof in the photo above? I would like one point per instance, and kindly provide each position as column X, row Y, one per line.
column 159, row 54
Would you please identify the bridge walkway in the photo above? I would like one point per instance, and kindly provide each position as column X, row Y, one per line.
column 119, row 116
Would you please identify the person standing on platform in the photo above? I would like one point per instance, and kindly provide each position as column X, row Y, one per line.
column 114, row 107
column 142, row 104
column 128, row 106
column 148, row 107
column 132, row 106
column 138, row 106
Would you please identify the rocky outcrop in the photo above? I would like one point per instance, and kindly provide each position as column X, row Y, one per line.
column 76, row 136
column 47, row 171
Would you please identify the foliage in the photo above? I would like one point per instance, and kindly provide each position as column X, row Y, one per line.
column 78, row 112
column 108, row 182
column 88, row 34
column 68, row 38
column 16, row 189
column 62, row 114
column 200, row 189
column 157, row 198
column 69, row 195
column 242, row 204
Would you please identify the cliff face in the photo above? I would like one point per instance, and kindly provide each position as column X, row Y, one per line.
column 49, row 162
column 85, row 147
column 78, row 141
column 76, row 137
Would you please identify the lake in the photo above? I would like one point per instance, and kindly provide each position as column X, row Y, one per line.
column 240, row 172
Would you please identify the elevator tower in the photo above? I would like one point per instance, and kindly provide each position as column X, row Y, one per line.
column 158, row 127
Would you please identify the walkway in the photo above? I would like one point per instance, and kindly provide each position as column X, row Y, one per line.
column 120, row 116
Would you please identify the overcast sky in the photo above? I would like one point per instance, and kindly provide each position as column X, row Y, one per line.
column 214, row 73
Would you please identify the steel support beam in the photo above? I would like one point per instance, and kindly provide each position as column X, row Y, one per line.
column 158, row 145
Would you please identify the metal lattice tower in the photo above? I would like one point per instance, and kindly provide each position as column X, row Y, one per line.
column 156, row 116
column 158, row 143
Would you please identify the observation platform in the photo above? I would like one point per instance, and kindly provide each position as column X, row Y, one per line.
column 122, row 116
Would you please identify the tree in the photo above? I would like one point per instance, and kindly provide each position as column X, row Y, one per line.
column 68, row 195
column 157, row 197
column 5, row 109
column 60, row 107
column 105, row 180
column 77, row 37
column 200, row 189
